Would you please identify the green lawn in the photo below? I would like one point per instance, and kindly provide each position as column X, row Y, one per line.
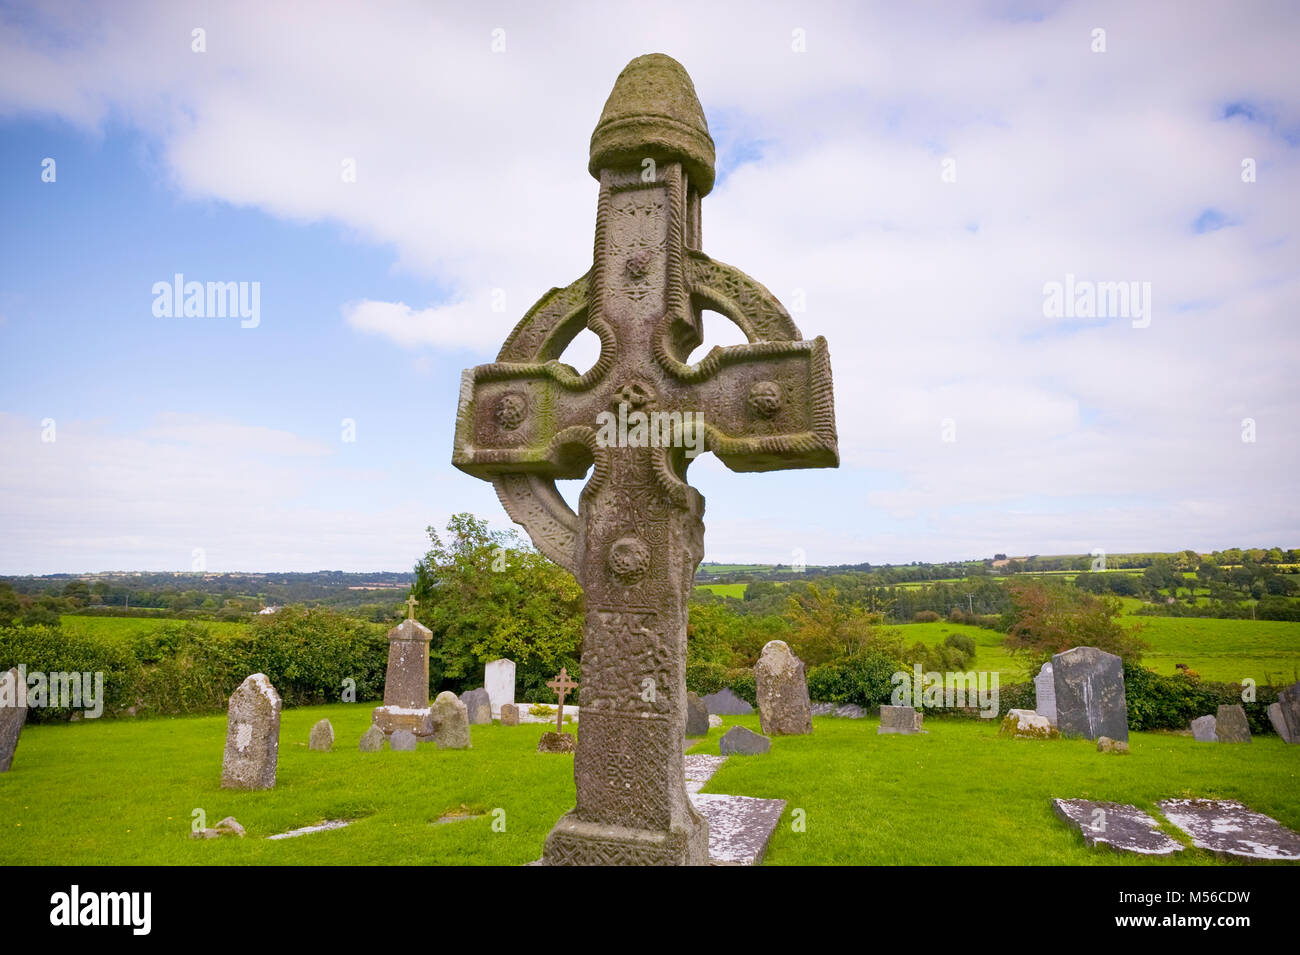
column 133, row 626
column 725, row 590
column 122, row 792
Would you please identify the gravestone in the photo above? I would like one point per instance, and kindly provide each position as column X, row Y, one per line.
column 322, row 737
column 406, row 682
column 252, row 735
column 1045, row 693
column 478, row 705
column 900, row 719
column 1229, row 829
column 450, row 722
column 744, row 742
column 553, row 742
column 509, row 714
column 1231, row 725
column 1203, row 729
column 1090, row 699
column 1116, row 747
column 13, row 711
column 638, row 535
column 499, row 681
column 726, row 703
column 372, row 740
column 1121, row 827
column 697, row 716
column 782, row 689
column 1027, row 724
column 402, row 741
column 1285, row 714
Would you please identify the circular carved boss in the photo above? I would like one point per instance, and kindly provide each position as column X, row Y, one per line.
column 512, row 408
column 765, row 398
column 628, row 559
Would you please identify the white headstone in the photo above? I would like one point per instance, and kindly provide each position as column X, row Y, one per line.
column 1045, row 694
column 499, row 681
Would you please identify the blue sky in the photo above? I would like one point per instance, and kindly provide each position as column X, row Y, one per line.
column 177, row 437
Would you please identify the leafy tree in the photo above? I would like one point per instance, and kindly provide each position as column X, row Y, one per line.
column 1048, row 618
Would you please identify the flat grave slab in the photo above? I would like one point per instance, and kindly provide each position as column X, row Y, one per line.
column 740, row 827
column 1227, row 828
column 325, row 826
column 700, row 767
column 1123, row 828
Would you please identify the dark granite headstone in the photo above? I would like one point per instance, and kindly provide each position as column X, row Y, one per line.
column 697, row 716
column 1090, row 694
column 478, row 705
column 1203, row 729
column 726, row 703
column 1231, row 725
column 744, row 742
column 1285, row 714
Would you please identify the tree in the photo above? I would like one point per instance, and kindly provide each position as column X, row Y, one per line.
column 825, row 628
column 1051, row 618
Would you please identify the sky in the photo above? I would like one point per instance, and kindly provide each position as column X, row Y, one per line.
column 402, row 181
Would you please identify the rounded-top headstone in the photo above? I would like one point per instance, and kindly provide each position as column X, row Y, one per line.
column 783, row 705
column 322, row 737
column 252, row 735
column 372, row 740
column 653, row 113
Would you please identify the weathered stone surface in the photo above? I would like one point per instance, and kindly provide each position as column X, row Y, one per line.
column 450, row 722
column 822, row 709
column 1231, row 725
column 1227, row 828
column 509, row 714
column 1027, row 724
column 322, row 737
column 526, row 420
column 478, row 705
column 714, row 722
column 499, row 682
column 226, row 827
column 13, row 711
column 372, row 740
column 740, row 827
column 783, row 706
column 726, row 703
column 697, row 716
column 1203, row 729
column 553, row 742
column 1285, row 713
column 1117, row 747
column 252, row 735
column 700, row 767
column 1045, row 693
column 390, row 719
column 1090, row 694
column 849, row 711
column 744, row 742
column 900, row 719
column 402, row 741
column 406, row 683
column 1125, row 828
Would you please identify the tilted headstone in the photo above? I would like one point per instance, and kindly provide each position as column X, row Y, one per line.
column 1045, row 693
column 726, row 703
column 1090, row 694
column 900, row 719
column 499, row 681
column 13, row 711
column 697, row 716
column 478, row 705
column 1285, row 714
column 509, row 714
column 450, row 722
column 372, row 740
column 322, row 737
column 527, row 419
column 744, row 742
column 402, row 741
column 783, row 706
column 252, row 735
column 1231, row 725
column 406, row 682
column 1203, row 729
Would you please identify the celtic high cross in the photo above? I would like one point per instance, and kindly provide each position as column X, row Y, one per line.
column 528, row 419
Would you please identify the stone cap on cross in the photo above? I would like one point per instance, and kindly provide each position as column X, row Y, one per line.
column 410, row 604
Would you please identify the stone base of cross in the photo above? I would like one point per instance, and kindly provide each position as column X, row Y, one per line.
column 527, row 420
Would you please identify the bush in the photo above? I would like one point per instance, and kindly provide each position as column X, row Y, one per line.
column 741, row 682
column 43, row 649
column 963, row 642
column 926, row 616
column 705, row 678
column 864, row 679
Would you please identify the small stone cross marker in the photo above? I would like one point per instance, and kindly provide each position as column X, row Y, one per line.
column 561, row 685
column 410, row 605
column 528, row 419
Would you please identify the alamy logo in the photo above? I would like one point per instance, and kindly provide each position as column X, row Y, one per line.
column 1082, row 298
column 181, row 299
column 72, row 691
column 75, row 907
column 946, row 690
column 651, row 429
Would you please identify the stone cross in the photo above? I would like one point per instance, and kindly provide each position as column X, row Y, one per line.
column 561, row 685
column 528, row 419
column 410, row 605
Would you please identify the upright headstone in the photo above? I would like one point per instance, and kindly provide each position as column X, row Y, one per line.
column 726, row 703
column 372, row 740
column 322, row 736
column 1045, row 694
column 1090, row 694
column 509, row 714
column 499, row 681
column 252, row 735
column 783, row 706
column 743, row 742
column 478, row 705
column 406, row 682
column 1231, row 725
column 450, row 722
column 526, row 420
column 402, row 741
column 697, row 716
column 1203, row 729
column 1285, row 714
column 13, row 711
column 900, row 719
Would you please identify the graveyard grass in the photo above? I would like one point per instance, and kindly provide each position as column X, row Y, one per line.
column 122, row 792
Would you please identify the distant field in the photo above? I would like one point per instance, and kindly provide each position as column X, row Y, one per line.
column 133, row 626
column 725, row 590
